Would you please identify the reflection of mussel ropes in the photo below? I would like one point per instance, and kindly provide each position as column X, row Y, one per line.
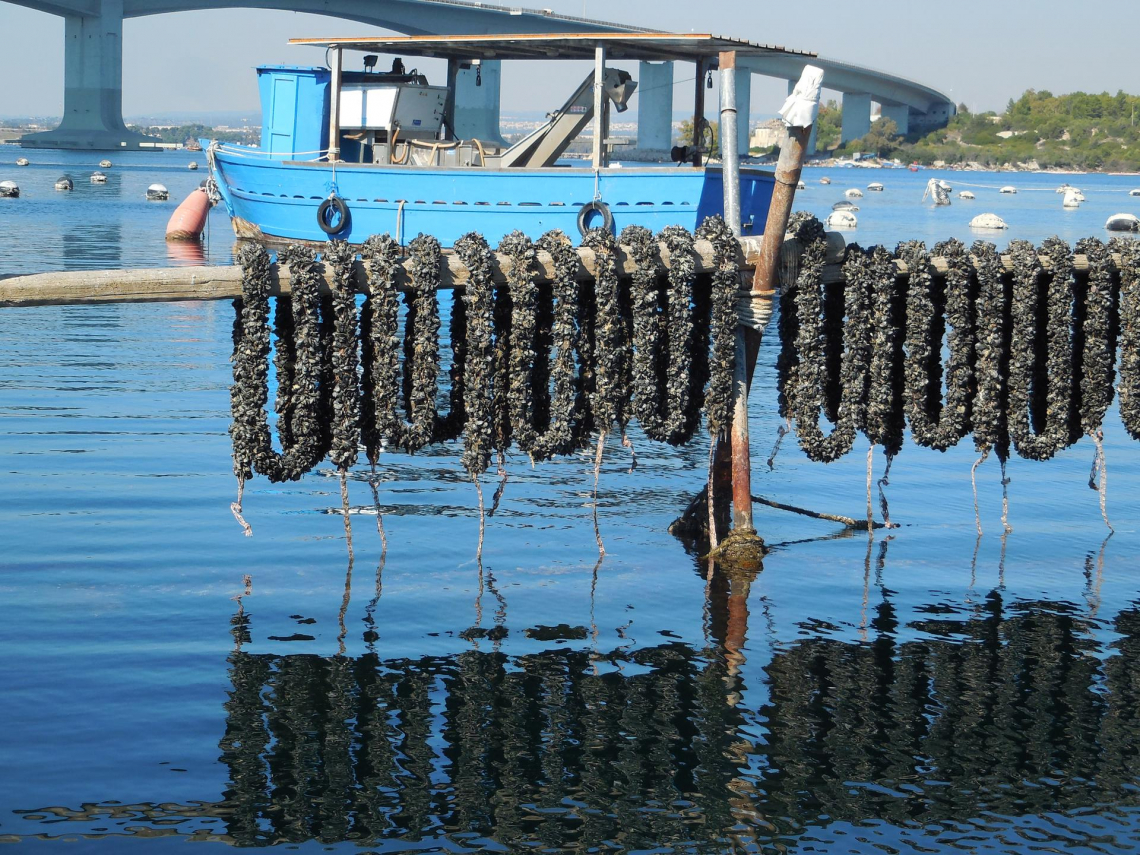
column 1003, row 712
column 334, row 749
column 1014, row 709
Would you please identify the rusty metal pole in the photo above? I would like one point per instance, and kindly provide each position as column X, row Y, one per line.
column 764, row 283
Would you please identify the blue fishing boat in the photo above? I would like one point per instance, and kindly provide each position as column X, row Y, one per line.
column 349, row 154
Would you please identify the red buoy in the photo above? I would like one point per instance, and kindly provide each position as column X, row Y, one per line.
column 189, row 218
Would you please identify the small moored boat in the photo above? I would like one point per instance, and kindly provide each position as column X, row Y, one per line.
column 875, row 186
column 104, row 164
column 64, row 182
column 1072, row 198
column 825, row 180
column 937, row 191
column 966, row 194
column 841, row 220
column 1008, row 189
column 1123, row 223
column 988, row 222
column 22, row 161
column 157, row 193
column 9, row 190
column 845, row 206
column 853, row 193
column 98, row 178
column 192, row 165
column 1135, row 192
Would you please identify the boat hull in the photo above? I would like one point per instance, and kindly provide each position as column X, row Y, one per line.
column 279, row 199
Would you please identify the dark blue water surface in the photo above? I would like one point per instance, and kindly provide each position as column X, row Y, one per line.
column 931, row 691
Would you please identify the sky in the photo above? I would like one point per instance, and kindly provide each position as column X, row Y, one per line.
column 981, row 52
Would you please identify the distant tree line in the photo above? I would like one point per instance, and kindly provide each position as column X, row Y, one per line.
column 185, row 133
column 1094, row 132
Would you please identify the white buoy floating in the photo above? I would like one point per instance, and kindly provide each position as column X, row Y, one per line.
column 157, row 193
column 9, row 190
column 853, row 193
column 945, row 185
column 966, row 194
column 1063, row 188
column 1123, row 223
column 988, row 222
column 875, row 186
column 22, row 161
column 826, row 180
column 193, row 165
column 64, row 183
column 104, row 164
column 841, row 220
column 1073, row 198
column 98, row 178
column 1135, row 192
column 1009, row 189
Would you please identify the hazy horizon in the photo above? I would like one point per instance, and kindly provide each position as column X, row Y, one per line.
column 983, row 54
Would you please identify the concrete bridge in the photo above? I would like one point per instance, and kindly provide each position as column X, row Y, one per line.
column 93, row 68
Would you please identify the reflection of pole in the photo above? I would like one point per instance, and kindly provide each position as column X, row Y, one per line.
column 737, row 634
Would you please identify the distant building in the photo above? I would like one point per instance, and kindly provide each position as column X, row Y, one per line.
column 766, row 135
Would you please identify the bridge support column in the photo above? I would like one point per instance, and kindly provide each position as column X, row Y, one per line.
column 856, row 116
column 92, row 85
column 899, row 114
column 743, row 108
column 809, row 149
column 477, row 102
column 654, row 110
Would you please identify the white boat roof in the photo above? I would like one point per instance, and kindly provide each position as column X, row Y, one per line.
column 656, row 47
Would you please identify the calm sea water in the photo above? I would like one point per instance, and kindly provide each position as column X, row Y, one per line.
column 928, row 692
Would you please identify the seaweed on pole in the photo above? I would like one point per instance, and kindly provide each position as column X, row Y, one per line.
column 1026, row 332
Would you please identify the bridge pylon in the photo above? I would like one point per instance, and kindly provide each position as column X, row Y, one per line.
column 92, row 85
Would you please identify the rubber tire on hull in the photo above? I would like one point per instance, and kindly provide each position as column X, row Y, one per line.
column 584, row 215
column 337, row 204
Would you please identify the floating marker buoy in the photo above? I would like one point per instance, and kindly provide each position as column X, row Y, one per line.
column 1123, row 223
column 801, row 186
column 104, row 164
column 98, row 178
column 966, row 194
column 853, row 193
column 189, row 218
column 841, row 220
column 22, row 161
column 9, row 190
column 64, row 183
column 875, row 186
column 1135, row 192
column 1073, row 198
column 193, row 165
column 825, row 180
column 1009, row 188
column 845, row 206
column 157, row 193
column 988, row 222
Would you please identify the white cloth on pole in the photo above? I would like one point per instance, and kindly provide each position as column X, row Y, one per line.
column 802, row 106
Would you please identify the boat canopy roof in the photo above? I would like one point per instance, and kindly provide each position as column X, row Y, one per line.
column 655, row 47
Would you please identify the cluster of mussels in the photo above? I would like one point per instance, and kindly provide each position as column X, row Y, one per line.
column 1023, row 359
column 537, row 365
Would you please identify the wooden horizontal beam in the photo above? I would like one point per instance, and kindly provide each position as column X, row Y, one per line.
column 172, row 284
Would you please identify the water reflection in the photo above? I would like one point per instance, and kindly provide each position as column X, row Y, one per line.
column 1011, row 721
column 86, row 245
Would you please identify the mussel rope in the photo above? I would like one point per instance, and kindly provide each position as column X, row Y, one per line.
column 1128, row 384
column 1098, row 360
column 722, row 327
column 611, row 336
column 524, row 307
column 345, row 433
column 479, row 297
column 883, row 417
column 284, row 365
column 683, row 415
column 1058, row 336
column 989, row 422
column 806, row 401
column 382, row 363
column 953, row 421
column 451, row 426
column 647, row 332
column 558, row 437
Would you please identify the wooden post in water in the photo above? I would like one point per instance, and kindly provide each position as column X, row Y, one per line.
column 744, row 545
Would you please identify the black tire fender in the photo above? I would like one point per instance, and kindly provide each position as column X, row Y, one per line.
column 584, row 214
column 333, row 203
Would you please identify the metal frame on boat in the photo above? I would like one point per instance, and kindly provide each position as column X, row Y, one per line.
column 349, row 154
